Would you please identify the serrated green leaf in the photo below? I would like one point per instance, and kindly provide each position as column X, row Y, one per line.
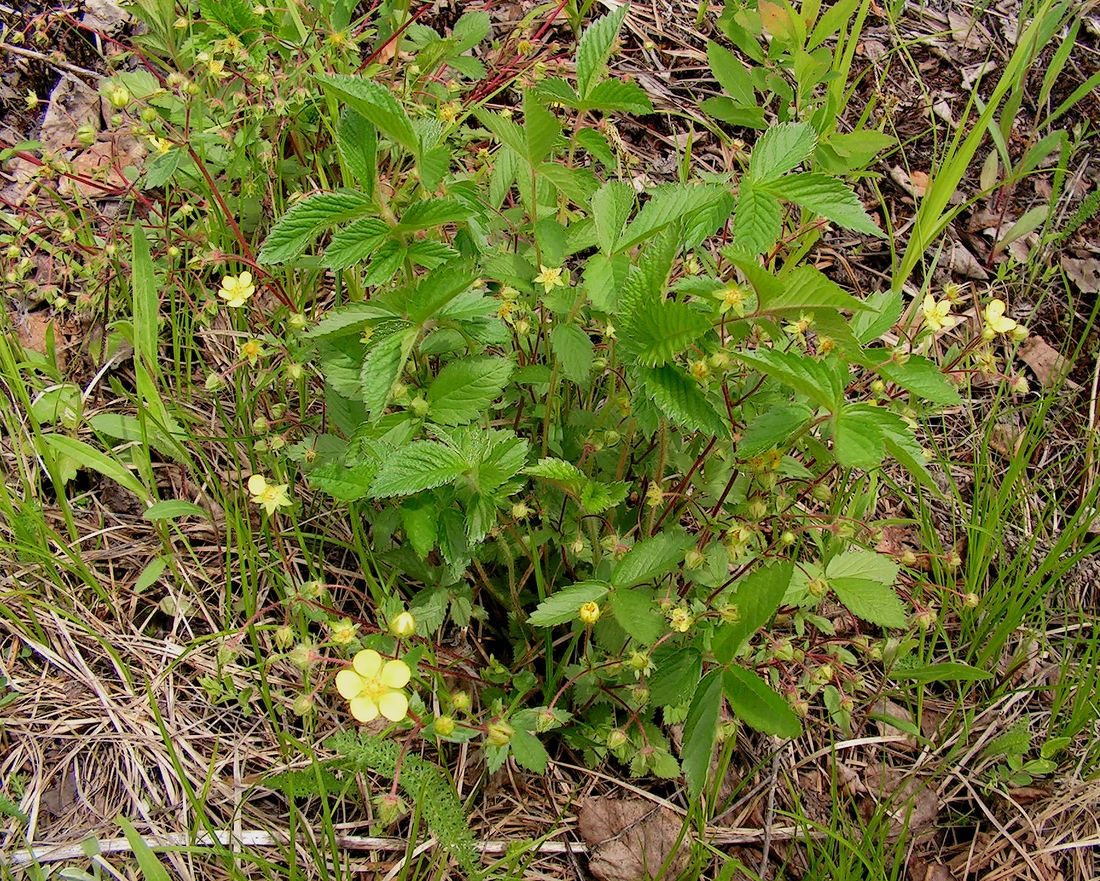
column 757, row 598
column 650, row 559
column 666, row 205
column 382, row 367
column 355, row 243
column 375, row 103
column 727, row 110
column 541, row 129
column 780, row 149
column 596, row 497
column 616, row 94
column 557, row 470
column 573, row 349
column 871, row 601
column 235, row 16
column 441, row 290
column 814, row 379
column 348, row 320
column 921, row 376
column 807, row 288
column 470, row 29
column 860, row 563
column 596, row 144
column 464, row 389
column 757, row 705
column 857, row 439
column 505, row 130
column 757, row 220
column 420, row 521
column 343, row 483
column 357, row 141
column 731, row 74
column 563, row 605
column 680, row 398
column 637, row 615
column 675, row 675
column 658, row 330
column 772, row 428
column 594, row 49
column 420, row 465
column 611, row 207
column 700, row 729
column 429, row 213
column 296, row 230
column 528, row 751
column 826, row 196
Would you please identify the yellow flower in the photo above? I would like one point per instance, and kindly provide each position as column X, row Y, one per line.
column 798, row 328
column 236, row 289
column 550, row 278
column 679, row 619
column 269, row 496
column 403, row 625
column 938, row 315
column 733, row 297
column 589, row 613
column 995, row 321
column 373, row 687
column 251, row 350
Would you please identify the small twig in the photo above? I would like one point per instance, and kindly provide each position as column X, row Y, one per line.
column 53, row 62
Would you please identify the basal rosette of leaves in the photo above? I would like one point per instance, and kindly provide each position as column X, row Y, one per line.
column 650, row 454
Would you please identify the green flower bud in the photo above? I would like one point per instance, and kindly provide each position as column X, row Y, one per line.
column 444, row 726
column 500, row 734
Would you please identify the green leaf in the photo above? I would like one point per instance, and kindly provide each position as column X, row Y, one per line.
column 666, row 205
column 807, row 288
column 563, row 606
column 780, row 149
column 756, row 704
column 757, row 221
column 382, row 367
column 922, row 377
column 757, row 597
column 149, row 575
column 420, row 521
column 594, row 49
column 343, row 483
column 596, row 497
column 700, row 729
column 947, row 671
column 152, row 869
column 857, row 440
column 814, row 379
column 528, row 751
column 430, row 213
column 772, row 428
column 731, row 74
column 611, row 207
column 439, row 289
column 418, row 466
column 505, row 130
column 173, row 509
column 860, row 563
column 235, row 16
column 727, row 110
column 357, row 141
column 872, row 601
column 675, row 676
column 375, row 103
column 635, row 612
column 573, row 349
column 618, row 95
column 355, row 243
column 348, row 320
column 557, row 470
column 541, row 129
column 657, row 331
column 470, row 29
column 681, row 399
column 86, row 456
column 826, row 196
column 464, row 389
column 650, row 559
column 306, row 220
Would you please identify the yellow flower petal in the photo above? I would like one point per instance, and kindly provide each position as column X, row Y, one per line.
column 396, row 674
column 394, row 705
column 349, row 684
column 364, row 709
column 367, row 663
column 257, row 483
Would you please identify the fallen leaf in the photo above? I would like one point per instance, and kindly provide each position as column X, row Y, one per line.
column 630, row 839
column 967, row 32
column 104, row 162
column 915, row 184
column 961, row 262
column 1045, row 361
column 1083, row 273
column 72, row 104
column 972, row 74
column 912, row 806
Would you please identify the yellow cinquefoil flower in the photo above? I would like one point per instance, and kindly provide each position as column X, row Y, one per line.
column 269, row 496
column 550, row 278
column 252, row 351
column 589, row 613
column 373, row 687
column 403, row 625
column 938, row 315
column 995, row 320
column 236, row 289
column 733, row 298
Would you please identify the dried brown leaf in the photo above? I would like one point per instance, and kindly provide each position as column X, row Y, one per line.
column 1044, row 360
column 630, row 839
column 1083, row 273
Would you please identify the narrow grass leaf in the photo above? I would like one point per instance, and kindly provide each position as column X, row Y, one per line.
column 948, row 671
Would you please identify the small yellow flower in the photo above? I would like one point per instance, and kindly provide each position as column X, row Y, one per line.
column 372, row 687
column 798, row 328
column 700, row 370
column 269, row 496
column 251, row 351
column 344, row 632
column 403, row 625
column 995, row 320
column 449, row 111
column 733, row 298
column 236, row 289
column 31, row 100
column 938, row 315
column 589, row 613
column 654, row 495
column 550, row 278
column 680, row 620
